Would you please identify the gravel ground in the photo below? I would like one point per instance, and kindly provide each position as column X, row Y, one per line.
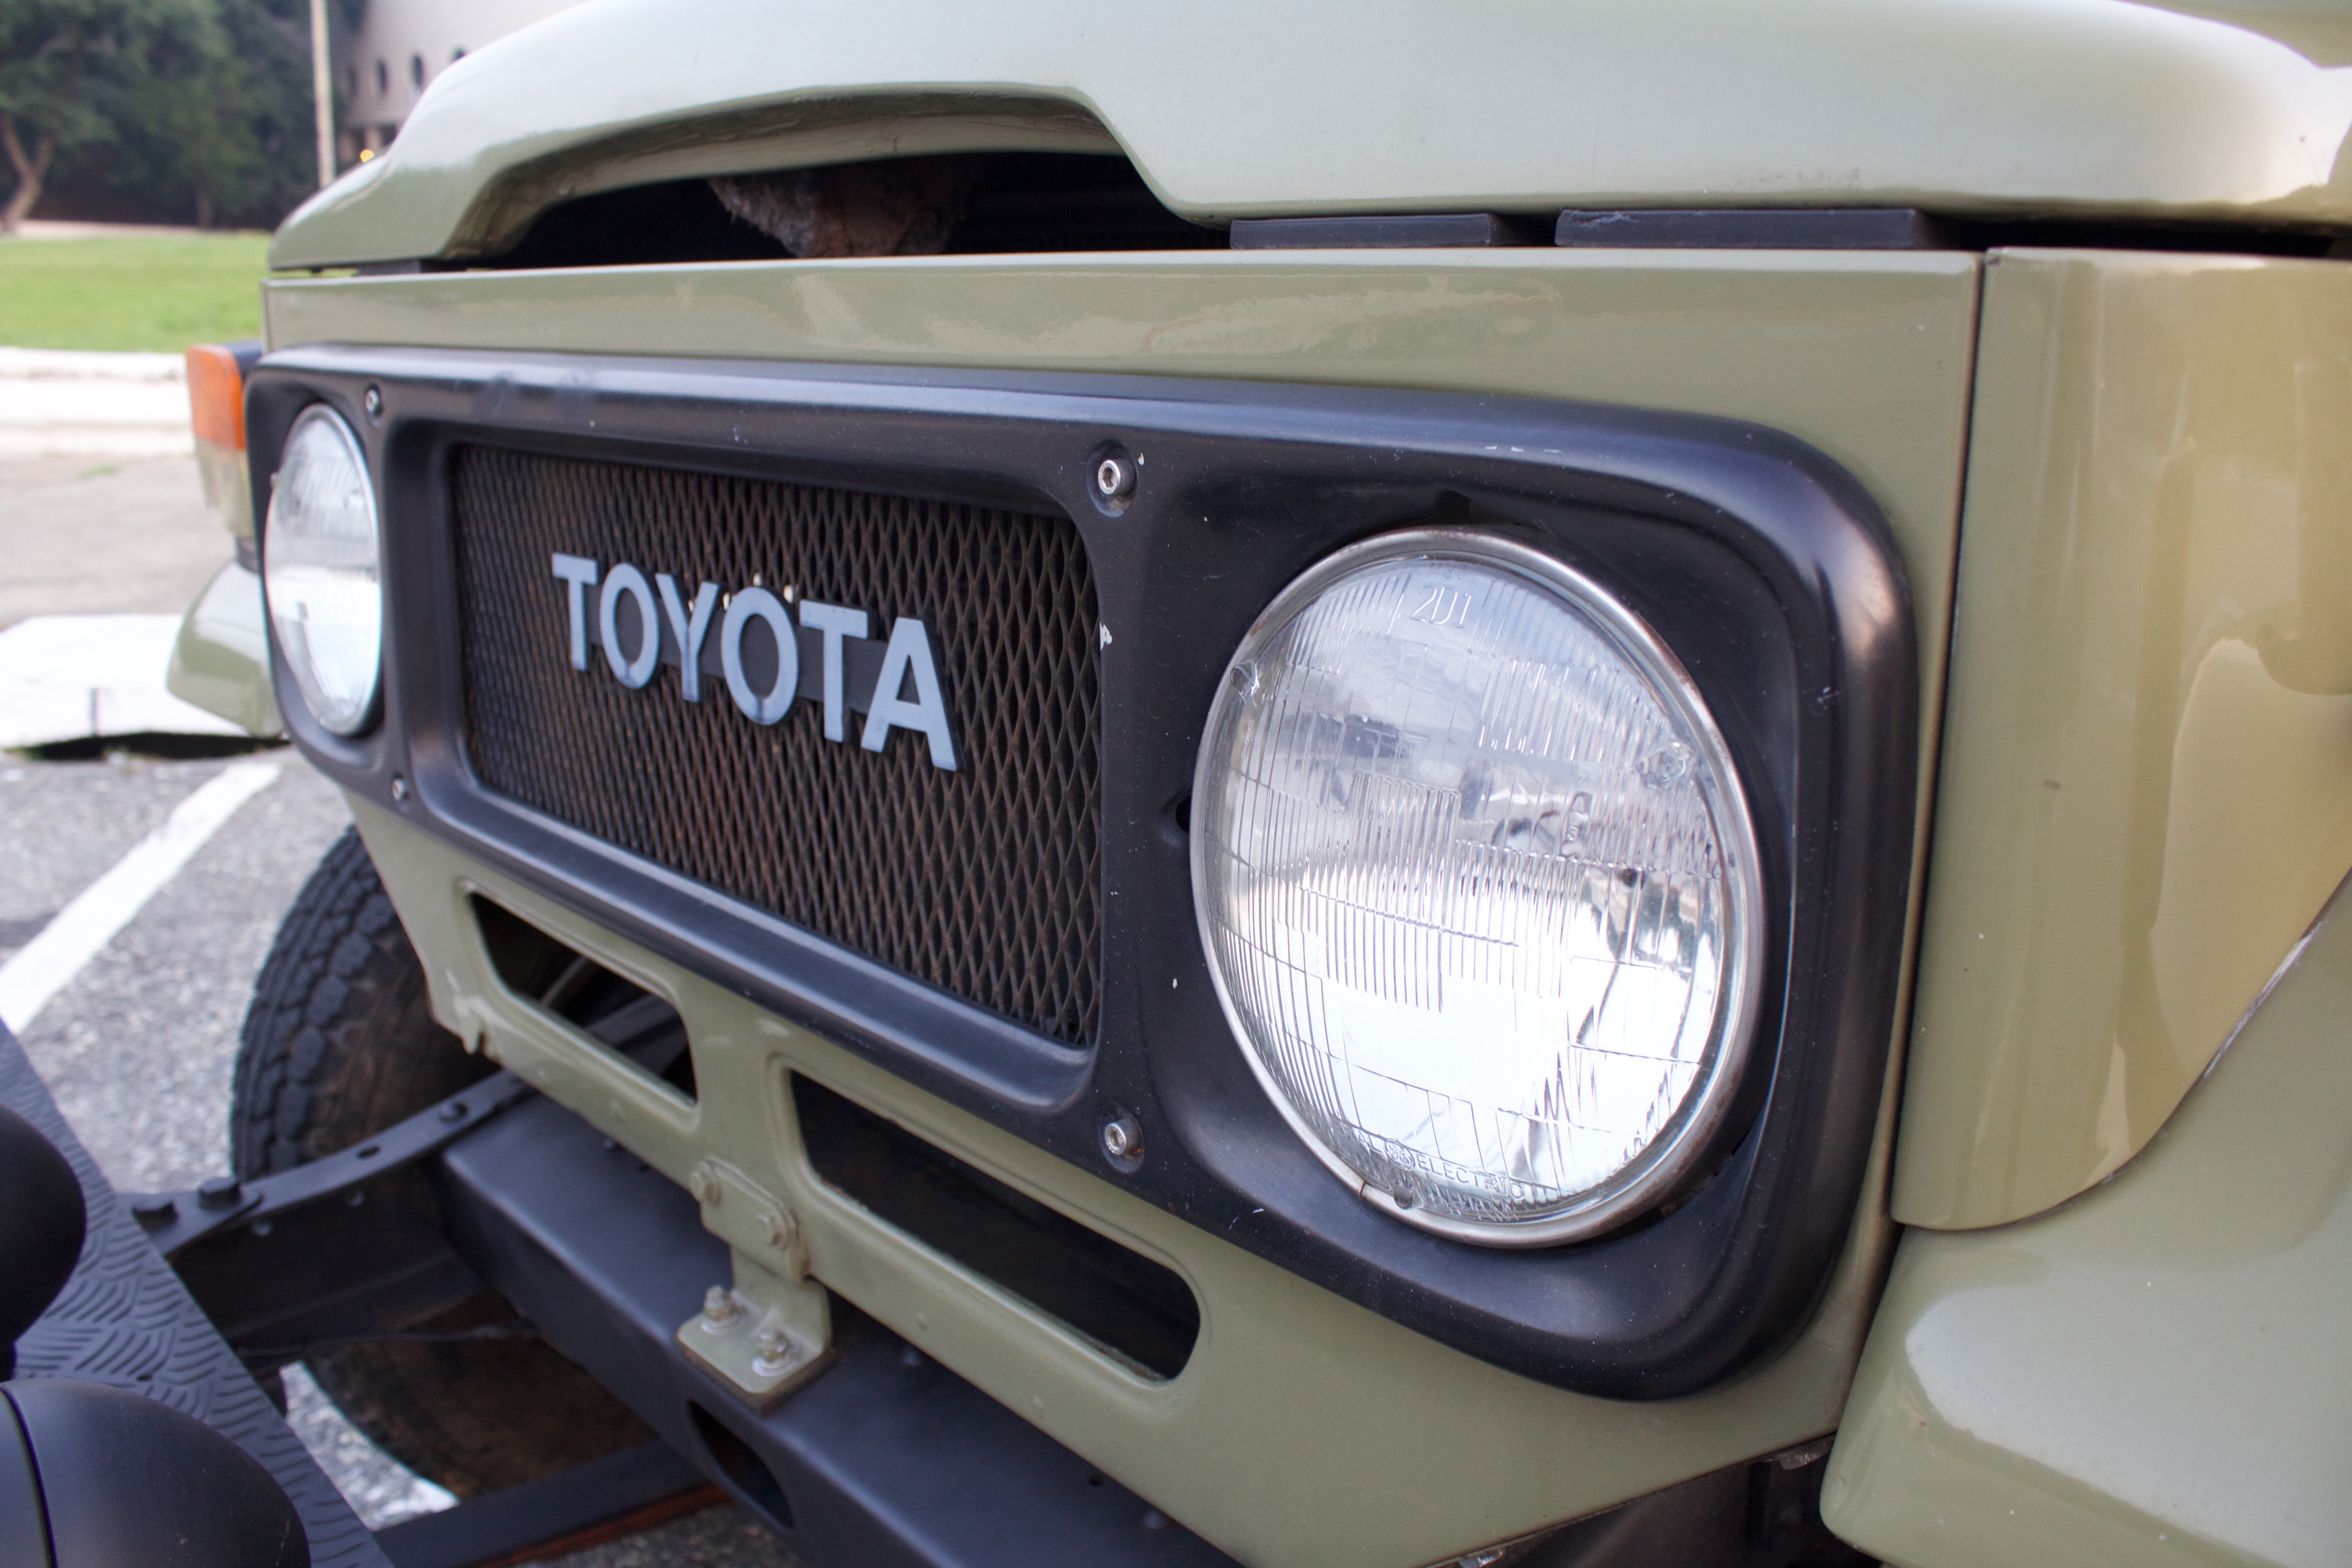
column 139, row 1047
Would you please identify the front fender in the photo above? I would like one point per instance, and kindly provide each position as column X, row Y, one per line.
column 2157, row 1372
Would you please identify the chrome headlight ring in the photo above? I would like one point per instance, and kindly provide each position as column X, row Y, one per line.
column 1515, row 808
column 323, row 573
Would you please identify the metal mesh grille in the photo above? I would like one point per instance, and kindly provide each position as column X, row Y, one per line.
column 981, row 881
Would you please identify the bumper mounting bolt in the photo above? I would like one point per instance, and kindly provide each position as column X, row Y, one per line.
column 219, row 1192
column 704, row 1182
column 775, row 1353
column 720, row 1307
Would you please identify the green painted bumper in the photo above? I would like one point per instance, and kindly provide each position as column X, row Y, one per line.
column 220, row 662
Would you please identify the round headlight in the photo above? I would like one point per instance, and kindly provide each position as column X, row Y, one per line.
column 320, row 573
column 1478, row 887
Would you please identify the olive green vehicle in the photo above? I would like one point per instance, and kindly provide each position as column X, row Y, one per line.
column 1491, row 784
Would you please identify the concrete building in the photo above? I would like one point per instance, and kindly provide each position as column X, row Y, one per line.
column 382, row 62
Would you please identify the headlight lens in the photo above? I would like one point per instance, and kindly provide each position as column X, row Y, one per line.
column 320, row 571
column 1479, row 887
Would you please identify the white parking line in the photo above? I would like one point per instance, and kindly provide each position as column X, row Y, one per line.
column 65, row 677
column 46, row 965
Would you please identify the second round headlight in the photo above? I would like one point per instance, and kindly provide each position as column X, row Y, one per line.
column 1479, row 887
column 320, row 571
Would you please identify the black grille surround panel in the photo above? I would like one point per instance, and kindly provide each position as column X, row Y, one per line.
column 983, row 882
column 1759, row 562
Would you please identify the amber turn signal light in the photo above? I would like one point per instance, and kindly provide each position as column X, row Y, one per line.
column 216, row 412
column 216, row 396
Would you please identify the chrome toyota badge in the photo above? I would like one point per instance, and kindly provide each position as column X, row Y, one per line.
column 766, row 658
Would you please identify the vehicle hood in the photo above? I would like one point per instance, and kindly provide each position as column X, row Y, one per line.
column 2105, row 108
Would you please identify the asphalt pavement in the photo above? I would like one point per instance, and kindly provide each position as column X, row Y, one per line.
column 93, row 534
column 139, row 1043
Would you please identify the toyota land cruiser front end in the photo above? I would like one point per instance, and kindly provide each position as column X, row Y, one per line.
column 1440, row 786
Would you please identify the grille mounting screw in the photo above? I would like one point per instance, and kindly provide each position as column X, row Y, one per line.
column 372, row 400
column 399, row 787
column 1115, row 479
column 1122, row 1139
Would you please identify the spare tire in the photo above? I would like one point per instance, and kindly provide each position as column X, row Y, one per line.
column 339, row 1044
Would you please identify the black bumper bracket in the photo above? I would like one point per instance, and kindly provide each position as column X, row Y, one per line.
column 886, row 1459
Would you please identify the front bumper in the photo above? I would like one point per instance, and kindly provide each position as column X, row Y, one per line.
column 1282, row 1438
column 220, row 660
column 887, row 1459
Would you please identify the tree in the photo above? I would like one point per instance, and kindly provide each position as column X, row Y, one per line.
column 195, row 110
column 219, row 125
column 268, row 50
column 53, row 53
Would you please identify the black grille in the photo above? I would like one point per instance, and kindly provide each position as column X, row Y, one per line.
column 981, row 881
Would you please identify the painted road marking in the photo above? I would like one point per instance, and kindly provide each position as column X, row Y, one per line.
column 65, row 677
column 46, row 965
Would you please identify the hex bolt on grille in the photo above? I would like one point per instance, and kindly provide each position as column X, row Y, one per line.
column 983, row 882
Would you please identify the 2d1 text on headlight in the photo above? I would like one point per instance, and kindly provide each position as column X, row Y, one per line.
column 1479, row 887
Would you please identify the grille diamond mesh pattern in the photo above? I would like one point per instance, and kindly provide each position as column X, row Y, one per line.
column 982, row 882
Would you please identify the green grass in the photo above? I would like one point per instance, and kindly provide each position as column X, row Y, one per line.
column 156, row 295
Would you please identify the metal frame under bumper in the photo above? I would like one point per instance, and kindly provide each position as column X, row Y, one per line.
column 886, row 1459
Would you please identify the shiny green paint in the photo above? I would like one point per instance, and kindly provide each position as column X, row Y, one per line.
column 220, row 660
column 2158, row 1372
column 2212, row 111
column 1284, row 1442
column 1864, row 354
column 1306, row 1432
column 2147, row 775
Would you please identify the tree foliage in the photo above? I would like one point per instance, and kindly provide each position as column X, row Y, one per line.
column 190, row 111
column 57, row 59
